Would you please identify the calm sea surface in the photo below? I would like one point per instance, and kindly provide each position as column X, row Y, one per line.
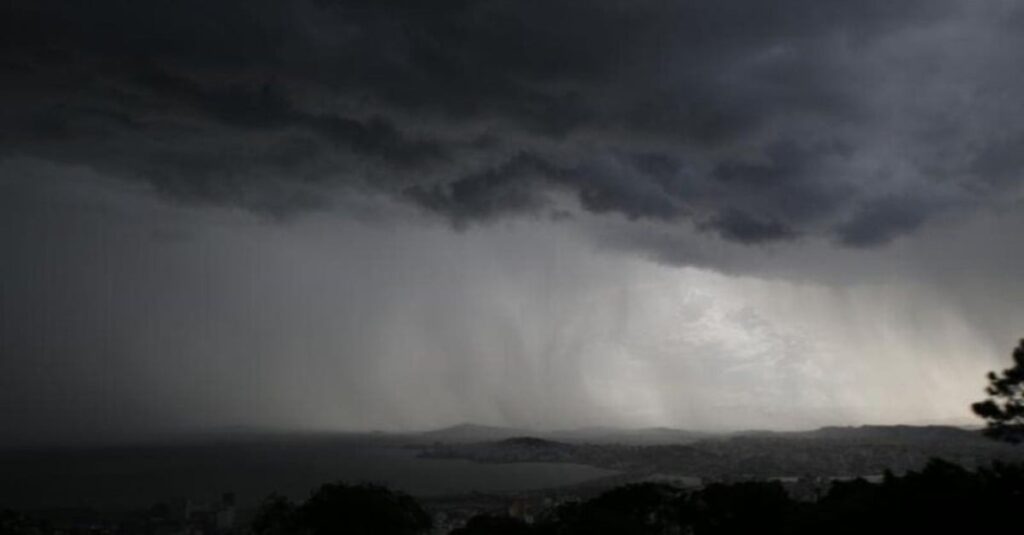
column 140, row 477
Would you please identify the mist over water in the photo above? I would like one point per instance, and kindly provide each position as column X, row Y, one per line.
column 125, row 478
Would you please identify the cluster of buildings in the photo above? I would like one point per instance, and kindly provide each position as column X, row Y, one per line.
column 185, row 517
column 218, row 517
column 451, row 513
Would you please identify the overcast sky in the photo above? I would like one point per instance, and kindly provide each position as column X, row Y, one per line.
column 329, row 214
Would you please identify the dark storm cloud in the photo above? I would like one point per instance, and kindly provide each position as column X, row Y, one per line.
column 774, row 148
column 508, row 187
column 881, row 221
column 753, row 121
column 740, row 227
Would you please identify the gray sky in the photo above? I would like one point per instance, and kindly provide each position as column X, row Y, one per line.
column 380, row 215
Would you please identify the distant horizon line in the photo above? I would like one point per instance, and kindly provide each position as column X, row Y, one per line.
column 222, row 432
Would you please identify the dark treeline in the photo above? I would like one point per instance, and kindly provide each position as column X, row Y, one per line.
column 942, row 498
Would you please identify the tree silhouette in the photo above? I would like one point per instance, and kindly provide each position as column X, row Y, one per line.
column 362, row 510
column 636, row 509
column 1004, row 410
column 493, row 525
column 342, row 508
column 275, row 516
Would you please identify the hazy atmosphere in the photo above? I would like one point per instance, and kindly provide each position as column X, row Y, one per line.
column 343, row 215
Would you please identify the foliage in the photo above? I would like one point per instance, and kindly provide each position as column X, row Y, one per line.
column 343, row 508
column 275, row 516
column 1004, row 410
column 645, row 508
column 494, row 525
column 746, row 507
column 941, row 498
